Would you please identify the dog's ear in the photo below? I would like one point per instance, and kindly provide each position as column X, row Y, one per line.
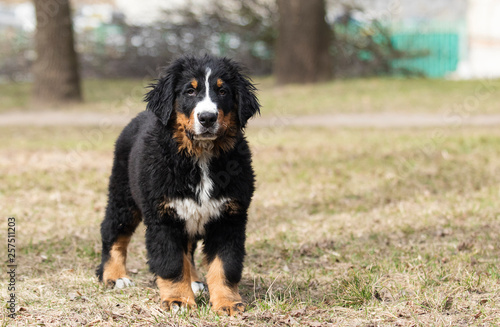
column 161, row 98
column 248, row 104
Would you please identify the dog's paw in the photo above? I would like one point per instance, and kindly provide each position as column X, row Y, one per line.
column 120, row 283
column 123, row 282
column 198, row 287
column 229, row 308
column 176, row 304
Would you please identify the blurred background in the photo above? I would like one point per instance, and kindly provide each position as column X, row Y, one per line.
column 457, row 39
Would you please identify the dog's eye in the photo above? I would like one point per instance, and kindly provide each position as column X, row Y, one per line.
column 191, row 91
column 222, row 92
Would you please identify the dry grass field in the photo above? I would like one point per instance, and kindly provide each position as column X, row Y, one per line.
column 348, row 227
column 370, row 95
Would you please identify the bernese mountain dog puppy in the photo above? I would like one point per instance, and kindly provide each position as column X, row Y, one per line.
column 184, row 168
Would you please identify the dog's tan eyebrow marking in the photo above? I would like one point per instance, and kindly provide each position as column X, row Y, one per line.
column 194, row 83
column 219, row 82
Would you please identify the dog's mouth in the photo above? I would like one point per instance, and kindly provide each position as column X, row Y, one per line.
column 207, row 136
column 204, row 136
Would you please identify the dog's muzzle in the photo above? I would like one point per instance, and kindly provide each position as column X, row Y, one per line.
column 207, row 119
column 207, row 126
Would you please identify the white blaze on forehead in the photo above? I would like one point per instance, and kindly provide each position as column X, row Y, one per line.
column 207, row 84
column 206, row 104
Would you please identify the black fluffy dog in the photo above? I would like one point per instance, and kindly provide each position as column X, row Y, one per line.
column 184, row 167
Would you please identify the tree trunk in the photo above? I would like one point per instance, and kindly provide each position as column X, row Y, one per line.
column 302, row 49
column 56, row 75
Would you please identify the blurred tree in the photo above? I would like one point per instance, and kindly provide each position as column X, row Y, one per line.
column 242, row 30
column 55, row 70
column 302, row 47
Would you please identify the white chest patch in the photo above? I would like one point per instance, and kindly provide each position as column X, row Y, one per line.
column 197, row 214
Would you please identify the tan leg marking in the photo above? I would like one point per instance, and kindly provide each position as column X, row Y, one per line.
column 115, row 266
column 223, row 297
column 179, row 292
column 232, row 207
column 194, row 274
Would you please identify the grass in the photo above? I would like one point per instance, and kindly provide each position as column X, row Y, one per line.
column 339, row 96
column 348, row 227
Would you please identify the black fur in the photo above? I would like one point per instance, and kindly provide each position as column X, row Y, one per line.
column 149, row 168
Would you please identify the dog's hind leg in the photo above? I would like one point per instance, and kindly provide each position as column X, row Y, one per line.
column 120, row 222
column 196, row 284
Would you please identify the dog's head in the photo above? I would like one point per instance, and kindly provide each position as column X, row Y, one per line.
column 206, row 100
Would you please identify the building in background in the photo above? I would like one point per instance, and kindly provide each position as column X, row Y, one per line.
column 482, row 58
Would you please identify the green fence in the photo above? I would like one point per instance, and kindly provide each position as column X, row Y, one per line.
column 435, row 49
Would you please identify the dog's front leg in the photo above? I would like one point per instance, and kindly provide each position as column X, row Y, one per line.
column 224, row 254
column 167, row 246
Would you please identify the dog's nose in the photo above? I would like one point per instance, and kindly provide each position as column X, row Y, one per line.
column 207, row 119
